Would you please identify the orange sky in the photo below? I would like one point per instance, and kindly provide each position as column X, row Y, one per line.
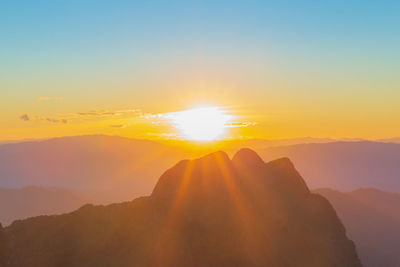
column 46, row 118
column 283, row 70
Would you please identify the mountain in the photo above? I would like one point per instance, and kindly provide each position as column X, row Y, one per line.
column 344, row 166
column 86, row 163
column 117, row 168
column 34, row 201
column 258, row 144
column 4, row 248
column 211, row 211
column 109, row 169
column 2, row 142
column 372, row 221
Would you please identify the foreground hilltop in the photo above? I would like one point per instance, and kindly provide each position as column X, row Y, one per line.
column 212, row 211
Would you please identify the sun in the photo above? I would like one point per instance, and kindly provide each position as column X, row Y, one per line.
column 204, row 123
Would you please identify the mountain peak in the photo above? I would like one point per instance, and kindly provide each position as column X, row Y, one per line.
column 215, row 156
column 246, row 156
column 202, row 212
column 286, row 176
column 282, row 163
column 215, row 171
column 197, row 174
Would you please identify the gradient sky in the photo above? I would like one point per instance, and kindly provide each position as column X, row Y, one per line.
column 289, row 68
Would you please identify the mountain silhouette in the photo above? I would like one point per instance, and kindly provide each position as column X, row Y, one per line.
column 372, row 221
column 33, row 201
column 5, row 252
column 211, row 211
column 109, row 169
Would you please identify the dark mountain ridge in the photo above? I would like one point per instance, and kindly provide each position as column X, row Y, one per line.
column 33, row 201
column 211, row 211
column 96, row 163
column 115, row 169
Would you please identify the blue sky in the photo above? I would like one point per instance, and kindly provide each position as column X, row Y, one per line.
column 103, row 53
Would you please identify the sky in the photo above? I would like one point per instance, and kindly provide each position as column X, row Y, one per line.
column 283, row 69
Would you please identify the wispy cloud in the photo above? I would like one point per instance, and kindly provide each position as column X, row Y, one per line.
column 50, row 119
column 231, row 121
column 103, row 112
column 56, row 120
column 118, row 126
column 24, row 117
column 99, row 114
column 96, row 113
column 240, row 124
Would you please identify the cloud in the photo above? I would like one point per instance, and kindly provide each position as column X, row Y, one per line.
column 49, row 119
column 103, row 112
column 164, row 135
column 240, row 124
column 118, row 126
column 160, row 118
column 24, row 117
column 56, row 120
column 46, row 98
column 64, row 118
column 99, row 113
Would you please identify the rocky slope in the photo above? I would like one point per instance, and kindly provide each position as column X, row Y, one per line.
column 212, row 211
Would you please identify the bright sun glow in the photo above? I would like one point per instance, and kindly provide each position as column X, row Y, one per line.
column 204, row 123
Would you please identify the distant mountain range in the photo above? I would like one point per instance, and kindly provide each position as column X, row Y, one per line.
column 33, row 201
column 212, row 211
column 115, row 168
column 372, row 221
column 118, row 169
column 344, row 166
column 390, row 140
column 251, row 143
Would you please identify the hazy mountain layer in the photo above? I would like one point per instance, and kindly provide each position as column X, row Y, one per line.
column 33, row 201
column 372, row 221
column 115, row 169
column 212, row 211
column 344, row 166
